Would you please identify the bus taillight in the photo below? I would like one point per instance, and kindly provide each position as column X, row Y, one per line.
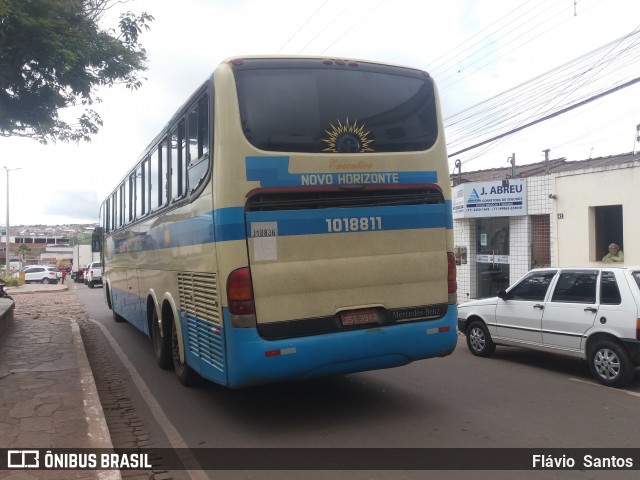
column 451, row 277
column 240, row 298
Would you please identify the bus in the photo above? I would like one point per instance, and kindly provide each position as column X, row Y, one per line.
column 292, row 220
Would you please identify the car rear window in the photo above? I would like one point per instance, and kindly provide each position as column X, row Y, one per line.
column 636, row 277
column 609, row 291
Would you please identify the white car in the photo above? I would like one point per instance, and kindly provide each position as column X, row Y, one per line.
column 93, row 274
column 589, row 313
column 41, row 274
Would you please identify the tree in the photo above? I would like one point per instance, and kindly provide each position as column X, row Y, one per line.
column 53, row 55
column 23, row 251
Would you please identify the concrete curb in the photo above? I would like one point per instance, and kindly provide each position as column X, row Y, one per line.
column 7, row 307
column 36, row 288
column 99, row 436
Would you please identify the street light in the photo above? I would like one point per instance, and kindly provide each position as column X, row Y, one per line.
column 7, row 225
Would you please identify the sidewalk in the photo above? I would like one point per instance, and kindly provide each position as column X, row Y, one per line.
column 48, row 397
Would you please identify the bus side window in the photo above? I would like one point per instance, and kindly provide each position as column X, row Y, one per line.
column 146, row 185
column 155, row 179
column 165, row 173
column 119, row 200
column 129, row 195
column 139, row 198
column 198, row 127
column 113, row 212
column 178, row 161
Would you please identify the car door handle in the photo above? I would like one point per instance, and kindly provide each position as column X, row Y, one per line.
column 538, row 306
column 591, row 309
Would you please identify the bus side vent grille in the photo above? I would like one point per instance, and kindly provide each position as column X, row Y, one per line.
column 199, row 296
column 205, row 342
column 199, row 305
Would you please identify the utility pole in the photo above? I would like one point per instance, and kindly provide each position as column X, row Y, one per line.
column 7, row 240
column 512, row 161
column 636, row 138
column 459, row 167
column 546, row 160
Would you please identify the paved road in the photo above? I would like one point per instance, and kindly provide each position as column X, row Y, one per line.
column 516, row 399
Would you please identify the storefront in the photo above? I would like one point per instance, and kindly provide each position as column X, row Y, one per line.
column 486, row 209
column 555, row 213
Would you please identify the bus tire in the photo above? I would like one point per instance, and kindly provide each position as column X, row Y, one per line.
column 187, row 375
column 117, row 318
column 161, row 344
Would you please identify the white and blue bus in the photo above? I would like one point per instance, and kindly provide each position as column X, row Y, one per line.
column 292, row 220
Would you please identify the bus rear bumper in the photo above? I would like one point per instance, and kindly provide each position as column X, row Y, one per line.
column 254, row 361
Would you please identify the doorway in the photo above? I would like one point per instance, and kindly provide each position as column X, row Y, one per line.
column 492, row 255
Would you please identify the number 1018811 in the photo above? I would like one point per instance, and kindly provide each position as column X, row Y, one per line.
column 353, row 224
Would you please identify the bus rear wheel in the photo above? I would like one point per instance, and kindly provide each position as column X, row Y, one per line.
column 161, row 343
column 187, row 375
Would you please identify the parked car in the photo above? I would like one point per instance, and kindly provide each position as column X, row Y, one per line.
column 589, row 313
column 41, row 274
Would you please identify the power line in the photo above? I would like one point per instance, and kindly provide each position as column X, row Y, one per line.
column 509, row 108
column 303, row 25
column 547, row 117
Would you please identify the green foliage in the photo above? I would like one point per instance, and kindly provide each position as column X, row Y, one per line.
column 23, row 249
column 53, row 55
column 11, row 281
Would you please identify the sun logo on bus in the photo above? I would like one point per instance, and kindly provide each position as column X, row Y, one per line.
column 347, row 138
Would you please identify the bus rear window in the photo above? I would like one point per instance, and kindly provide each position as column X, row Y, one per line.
column 315, row 108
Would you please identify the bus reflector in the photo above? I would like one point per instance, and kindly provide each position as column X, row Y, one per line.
column 240, row 292
column 281, row 351
column 444, row 329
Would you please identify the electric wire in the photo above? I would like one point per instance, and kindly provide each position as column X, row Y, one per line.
column 303, row 25
column 493, row 115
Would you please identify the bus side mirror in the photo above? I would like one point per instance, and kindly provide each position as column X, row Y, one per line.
column 96, row 240
column 502, row 294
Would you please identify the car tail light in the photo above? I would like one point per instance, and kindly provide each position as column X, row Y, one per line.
column 638, row 329
column 451, row 277
column 240, row 298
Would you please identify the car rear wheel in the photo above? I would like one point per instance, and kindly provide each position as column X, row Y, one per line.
column 479, row 340
column 45, row 281
column 610, row 364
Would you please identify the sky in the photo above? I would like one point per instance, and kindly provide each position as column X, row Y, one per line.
column 475, row 50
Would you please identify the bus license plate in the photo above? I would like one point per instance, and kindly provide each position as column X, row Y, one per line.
column 360, row 317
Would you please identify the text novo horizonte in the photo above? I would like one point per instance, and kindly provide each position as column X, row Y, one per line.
column 313, row 179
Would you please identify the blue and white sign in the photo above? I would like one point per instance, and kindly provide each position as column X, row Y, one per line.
column 490, row 199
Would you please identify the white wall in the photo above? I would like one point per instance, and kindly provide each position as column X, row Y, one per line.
column 577, row 192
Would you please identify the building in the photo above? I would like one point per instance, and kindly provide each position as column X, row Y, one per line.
column 552, row 213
